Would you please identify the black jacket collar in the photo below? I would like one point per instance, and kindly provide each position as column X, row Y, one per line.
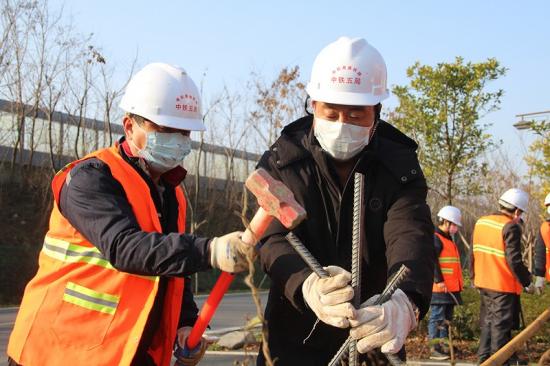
column 442, row 233
column 391, row 147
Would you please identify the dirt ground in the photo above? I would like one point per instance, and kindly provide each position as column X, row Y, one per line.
column 418, row 348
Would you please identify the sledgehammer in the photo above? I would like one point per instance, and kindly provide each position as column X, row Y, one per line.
column 275, row 201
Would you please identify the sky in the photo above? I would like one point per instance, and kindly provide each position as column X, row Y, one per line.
column 223, row 41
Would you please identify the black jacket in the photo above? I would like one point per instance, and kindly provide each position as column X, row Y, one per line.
column 440, row 298
column 539, row 260
column 398, row 231
column 95, row 204
column 511, row 234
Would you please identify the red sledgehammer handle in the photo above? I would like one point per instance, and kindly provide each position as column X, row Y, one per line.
column 209, row 308
column 259, row 224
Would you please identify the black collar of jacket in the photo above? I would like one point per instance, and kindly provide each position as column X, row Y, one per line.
column 391, row 147
column 442, row 233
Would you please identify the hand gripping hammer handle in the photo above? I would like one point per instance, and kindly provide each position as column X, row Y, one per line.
column 275, row 201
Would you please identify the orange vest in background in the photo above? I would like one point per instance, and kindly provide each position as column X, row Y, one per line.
column 545, row 234
column 449, row 262
column 490, row 267
column 79, row 309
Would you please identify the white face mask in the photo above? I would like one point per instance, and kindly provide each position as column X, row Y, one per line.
column 165, row 150
column 548, row 210
column 453, row 229
column 341, row 140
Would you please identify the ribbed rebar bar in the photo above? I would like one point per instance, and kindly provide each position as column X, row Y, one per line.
column 390, row 288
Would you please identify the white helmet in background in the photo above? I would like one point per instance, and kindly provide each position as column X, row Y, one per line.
column 547, row 200
column 165, row 95
column 514, row 198
column 450, row 213
column 349, row 71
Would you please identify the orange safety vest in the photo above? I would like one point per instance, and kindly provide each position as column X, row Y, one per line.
column 449, row 262
column 545, row 234
column 490, row 267
column 79, row 309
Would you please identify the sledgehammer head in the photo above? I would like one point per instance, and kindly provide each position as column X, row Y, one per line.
column 275, row 198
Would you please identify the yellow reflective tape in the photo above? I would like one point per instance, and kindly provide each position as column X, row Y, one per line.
column 489, row 250
column 88, row 304
column 72, row 253
column 447, row 270
column 449, row 260
column 89, row 292
column 490, row 223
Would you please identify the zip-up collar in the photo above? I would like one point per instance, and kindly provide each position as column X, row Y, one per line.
column 388, row 145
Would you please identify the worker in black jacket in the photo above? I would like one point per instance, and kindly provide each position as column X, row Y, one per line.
column 316, row 157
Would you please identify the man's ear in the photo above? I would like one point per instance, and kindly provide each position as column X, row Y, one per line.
column 313, row 104
column 128, row 126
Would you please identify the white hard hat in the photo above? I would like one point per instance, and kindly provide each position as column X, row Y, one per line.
column 165, row 95
column 547, row 200
column 514, row 198
column 450, row 213
column 349, row 71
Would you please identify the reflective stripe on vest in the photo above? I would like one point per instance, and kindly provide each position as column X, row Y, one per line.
column 71, row 253
column 449, row 263
column 90, row 299
column 78, row 307
column 490, row 266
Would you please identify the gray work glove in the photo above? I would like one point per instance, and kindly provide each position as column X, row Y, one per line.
column 539, row 285
column 530, row 289
column 228, row 253
column 329, row 297
column 198, row 353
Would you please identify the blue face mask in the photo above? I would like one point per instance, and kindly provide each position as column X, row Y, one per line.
column 165, row 150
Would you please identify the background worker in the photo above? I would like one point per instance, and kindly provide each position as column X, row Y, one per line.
column 447, row 281
column 499, row 272
column 316, row 157
column 541, row 263
column 110, row 285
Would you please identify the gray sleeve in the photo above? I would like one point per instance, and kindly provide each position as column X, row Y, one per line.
column 512, row 240
column 96, row 205
column 539, row 260
column 408, row 233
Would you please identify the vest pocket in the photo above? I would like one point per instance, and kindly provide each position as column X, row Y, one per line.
column 84, row 317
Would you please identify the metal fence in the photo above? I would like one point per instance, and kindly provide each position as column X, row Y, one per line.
column 72, row 136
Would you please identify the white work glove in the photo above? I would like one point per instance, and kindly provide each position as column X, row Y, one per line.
column 196, row 354
column 530, row 289
column 539, row 285
column 228, row 253
column 442, row 286
column 329, row 297
column 385, row 326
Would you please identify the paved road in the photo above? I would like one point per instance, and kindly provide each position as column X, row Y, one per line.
column 235, row 310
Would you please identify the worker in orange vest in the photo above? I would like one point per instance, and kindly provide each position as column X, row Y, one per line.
column 112, row 286
column 498, row 271
column 447, row 281
column 541, row 263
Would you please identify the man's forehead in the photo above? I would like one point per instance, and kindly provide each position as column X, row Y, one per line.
column 162, row 128
column 344, row 106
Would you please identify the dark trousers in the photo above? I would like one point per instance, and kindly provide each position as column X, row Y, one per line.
column 499, row 315
column 440, row 314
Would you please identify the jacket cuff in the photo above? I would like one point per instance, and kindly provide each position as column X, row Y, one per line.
column 293, row 289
